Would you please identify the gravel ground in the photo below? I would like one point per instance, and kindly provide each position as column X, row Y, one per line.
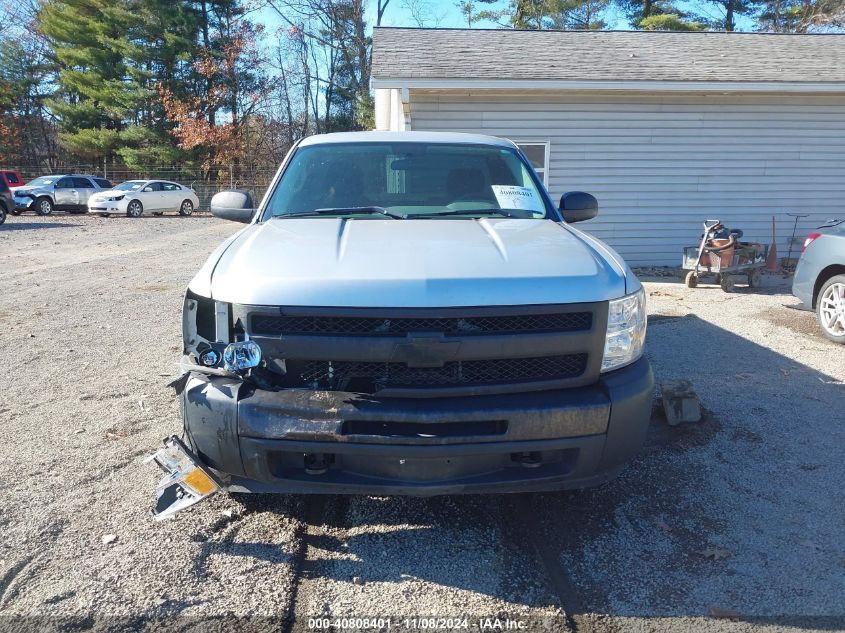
column 735, row 523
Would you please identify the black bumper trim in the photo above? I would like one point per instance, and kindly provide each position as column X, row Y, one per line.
column 578, row 437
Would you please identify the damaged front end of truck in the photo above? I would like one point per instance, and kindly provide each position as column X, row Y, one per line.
column 188, row 480
column 463, row 345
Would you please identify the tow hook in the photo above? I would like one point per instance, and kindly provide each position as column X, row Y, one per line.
column 186, row 482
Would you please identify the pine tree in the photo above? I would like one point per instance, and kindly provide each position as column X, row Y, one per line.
column 166, row 47
column 648, row 15
column 97, row 89
column 559, row 14
column 801, row 16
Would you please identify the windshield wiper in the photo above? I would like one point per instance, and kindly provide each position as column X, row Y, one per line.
column 508, row 213
column 343, row 211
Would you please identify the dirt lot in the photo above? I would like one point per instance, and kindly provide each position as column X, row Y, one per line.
column 733, row 524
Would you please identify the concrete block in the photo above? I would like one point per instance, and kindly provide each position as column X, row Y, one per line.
column 680, row 402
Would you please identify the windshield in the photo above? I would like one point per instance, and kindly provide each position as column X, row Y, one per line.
column 43, row 181
column 131, row 185
column 407, row 180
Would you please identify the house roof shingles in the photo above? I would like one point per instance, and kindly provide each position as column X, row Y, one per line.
column 607, row 56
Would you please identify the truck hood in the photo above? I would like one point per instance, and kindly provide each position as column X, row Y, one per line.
column 411, row 263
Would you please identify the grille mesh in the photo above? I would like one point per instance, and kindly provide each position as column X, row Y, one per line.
column 340, row 374
column 276, row 325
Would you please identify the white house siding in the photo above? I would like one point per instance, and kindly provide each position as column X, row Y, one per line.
column 660, row 165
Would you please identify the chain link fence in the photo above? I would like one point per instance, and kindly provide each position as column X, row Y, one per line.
column 256, row 181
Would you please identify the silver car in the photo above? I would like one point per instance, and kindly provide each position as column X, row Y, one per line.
column 133, row 197
column 62, row 192
column 820, row 278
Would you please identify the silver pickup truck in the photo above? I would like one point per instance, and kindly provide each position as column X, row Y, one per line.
column 411, row 314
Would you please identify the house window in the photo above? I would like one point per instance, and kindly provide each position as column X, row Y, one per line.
column 537, row 153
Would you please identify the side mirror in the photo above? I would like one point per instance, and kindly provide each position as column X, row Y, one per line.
column 577, row 206
column 235, row 205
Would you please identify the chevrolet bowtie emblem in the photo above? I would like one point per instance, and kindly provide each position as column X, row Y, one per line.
column 425, row 350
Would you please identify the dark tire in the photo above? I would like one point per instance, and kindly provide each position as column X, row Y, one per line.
column 691, row 280
column 44, row 206
column 134, row 209
column 830, row 309
column 718, row 278
column 77, row 211
column 2, row 214
column 754, row 279
column 186, row 208
column 727, row 283
column 16, row 211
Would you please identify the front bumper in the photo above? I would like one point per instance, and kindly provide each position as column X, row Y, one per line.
column 106, row 206
column 336, row 442
column 24, row 203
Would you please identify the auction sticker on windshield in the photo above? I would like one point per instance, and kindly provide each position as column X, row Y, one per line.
column 514, row 197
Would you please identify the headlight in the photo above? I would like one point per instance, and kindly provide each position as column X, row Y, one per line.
column 626, row 325
column 241, row 355
column 116, row 198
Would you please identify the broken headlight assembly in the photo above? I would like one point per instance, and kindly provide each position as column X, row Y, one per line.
column 186, row 481
column 626, row 326
column 211, row 340
column 241, row 355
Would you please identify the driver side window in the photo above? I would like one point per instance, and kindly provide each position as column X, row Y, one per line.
column 64, row 183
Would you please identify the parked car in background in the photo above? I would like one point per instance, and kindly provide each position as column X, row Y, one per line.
column 11, row 178
column 7, row 203
column 820, row 278
column 133, row 197
column 62, row 192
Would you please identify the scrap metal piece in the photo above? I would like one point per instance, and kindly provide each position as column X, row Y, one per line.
column 187, row 481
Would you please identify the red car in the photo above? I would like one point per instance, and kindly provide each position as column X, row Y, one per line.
column 11, row 178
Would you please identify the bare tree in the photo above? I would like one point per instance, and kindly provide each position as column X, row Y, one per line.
column 422, row 13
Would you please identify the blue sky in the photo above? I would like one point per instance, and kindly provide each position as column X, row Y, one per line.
column 445, row 14
column 397, row 15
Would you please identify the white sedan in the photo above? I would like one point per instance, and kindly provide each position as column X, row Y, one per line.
column 133, row 197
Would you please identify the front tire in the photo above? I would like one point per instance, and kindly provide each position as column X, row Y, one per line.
column 830, row 309
column 2, row 214
column 187, row 208
column 691, row 279
column 727, row 283
column 134, row 209
column 44, row 206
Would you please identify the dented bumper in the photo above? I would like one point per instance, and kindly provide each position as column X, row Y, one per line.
column 337, row 442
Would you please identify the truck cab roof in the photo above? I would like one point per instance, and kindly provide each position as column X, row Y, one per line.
column 405, row 137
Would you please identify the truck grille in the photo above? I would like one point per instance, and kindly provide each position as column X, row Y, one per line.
column 276, row 325
column 354, row 376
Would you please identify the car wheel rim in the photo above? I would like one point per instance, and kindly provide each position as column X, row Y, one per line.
column 134, row 209
column 832, row 309
column 187, row 207
column 45, row 206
